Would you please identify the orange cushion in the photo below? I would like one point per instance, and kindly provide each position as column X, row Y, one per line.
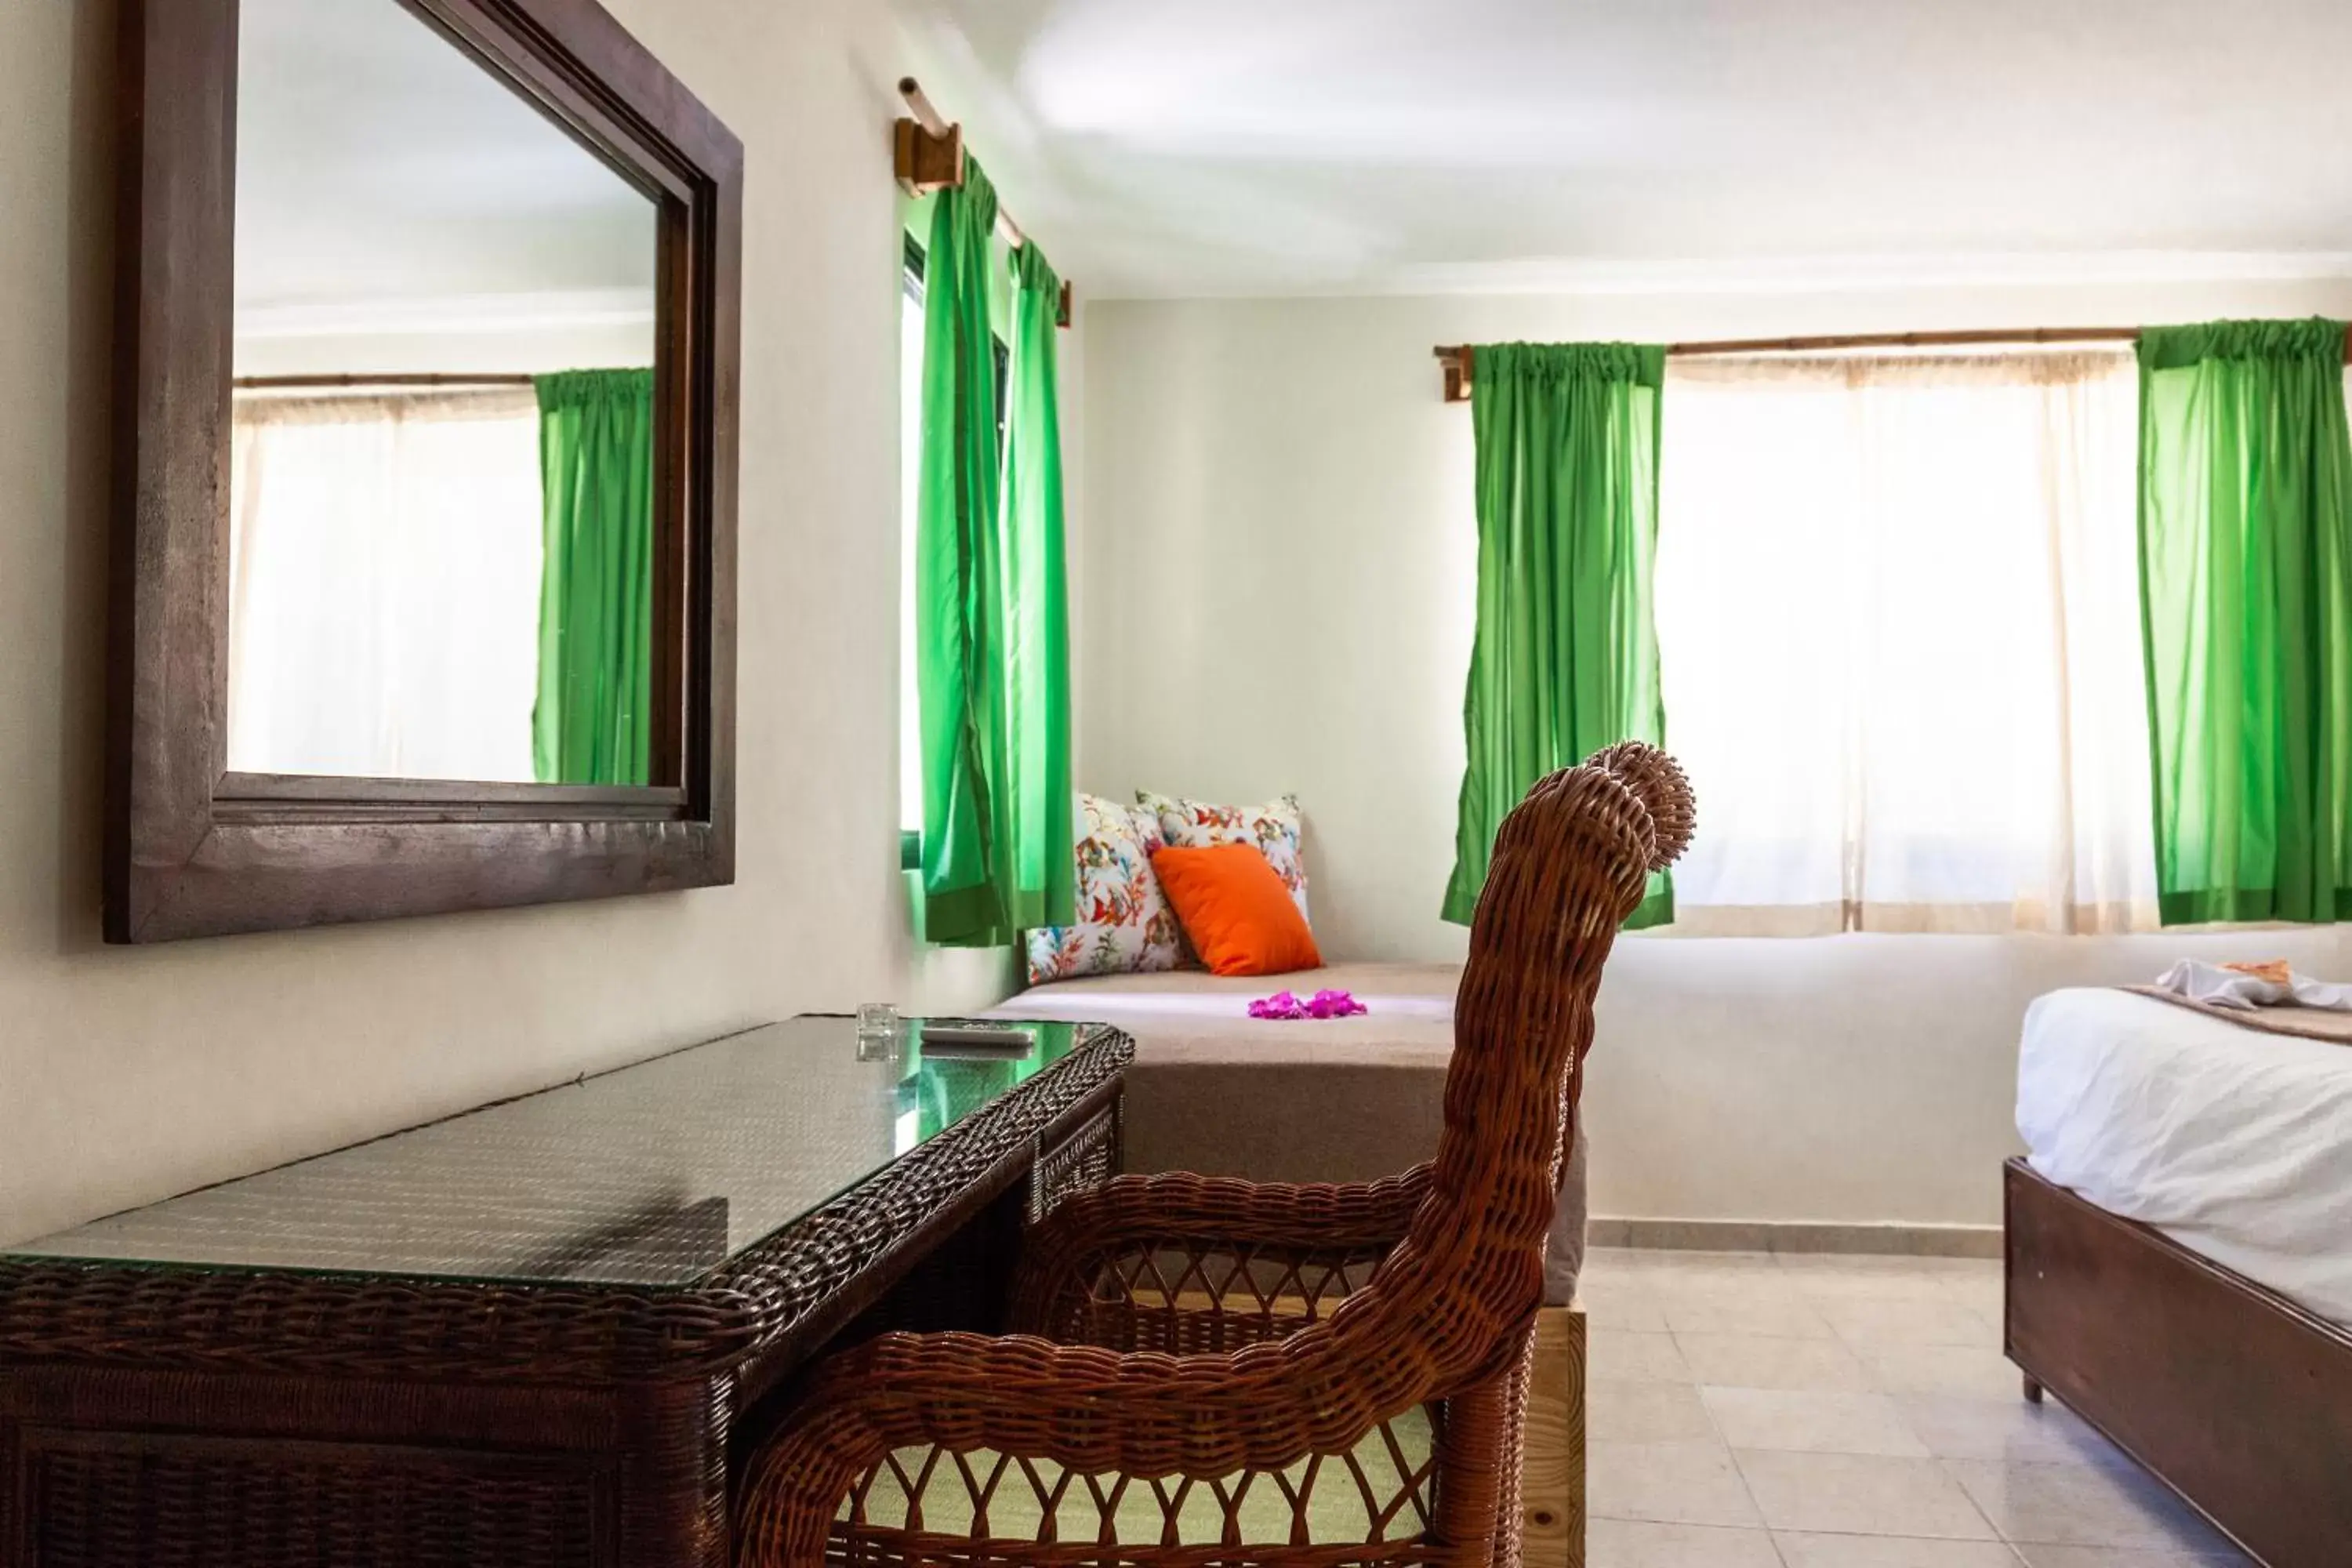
column 1240, row 917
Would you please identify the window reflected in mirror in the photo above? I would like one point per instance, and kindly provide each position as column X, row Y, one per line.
column 442, row 513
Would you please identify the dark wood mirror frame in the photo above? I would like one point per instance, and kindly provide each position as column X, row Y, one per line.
column 195, row 851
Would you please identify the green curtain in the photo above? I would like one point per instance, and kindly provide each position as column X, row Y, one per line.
column 2245, row 538
column 1566, row 656
column 593, row 720
column 1037, row 605
column 956, row 570
column 992, row 632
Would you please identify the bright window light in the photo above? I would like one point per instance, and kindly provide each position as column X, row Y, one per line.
column 1898, row 618
column 910, row 463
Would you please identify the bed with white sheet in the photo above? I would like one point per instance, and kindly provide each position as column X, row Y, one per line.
column 1339, row 1100
column 2179, row 1256
column 2234, row 1142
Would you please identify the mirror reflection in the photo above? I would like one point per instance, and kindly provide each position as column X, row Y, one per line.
column 442, row 503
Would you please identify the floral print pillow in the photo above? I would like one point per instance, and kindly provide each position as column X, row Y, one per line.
column 1124, row 922
column 1274, row 829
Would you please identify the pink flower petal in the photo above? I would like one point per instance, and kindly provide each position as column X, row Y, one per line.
column 1281, row 1005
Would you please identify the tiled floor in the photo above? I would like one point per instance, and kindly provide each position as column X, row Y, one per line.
column 1750, row 1410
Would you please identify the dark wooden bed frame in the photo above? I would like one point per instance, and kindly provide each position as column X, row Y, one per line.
column 2230, row 1393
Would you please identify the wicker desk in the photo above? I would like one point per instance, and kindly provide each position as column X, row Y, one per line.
column 538, row 1333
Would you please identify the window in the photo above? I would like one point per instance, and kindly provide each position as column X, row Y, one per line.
column 910, row 474
column 1898, row 627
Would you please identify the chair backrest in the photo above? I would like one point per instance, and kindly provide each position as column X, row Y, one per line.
column 1570, row 863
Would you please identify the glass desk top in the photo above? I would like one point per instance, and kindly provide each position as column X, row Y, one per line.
column 650, row 1175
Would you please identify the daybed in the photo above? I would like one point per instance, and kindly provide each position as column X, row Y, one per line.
column 2179, row 1256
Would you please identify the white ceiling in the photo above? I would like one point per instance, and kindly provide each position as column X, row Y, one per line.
column 1178, row 147
column 387, row 183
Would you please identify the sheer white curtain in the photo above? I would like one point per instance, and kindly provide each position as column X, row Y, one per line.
column 1898, row 617
column 384, row 577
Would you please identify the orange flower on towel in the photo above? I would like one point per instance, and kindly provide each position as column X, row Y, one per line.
column 2275, row 971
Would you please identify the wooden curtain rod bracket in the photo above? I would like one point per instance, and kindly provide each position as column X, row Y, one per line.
column 1456, row 362
column 927, row 155
column 928, row 159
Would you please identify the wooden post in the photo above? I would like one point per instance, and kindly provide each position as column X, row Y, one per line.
column 1554, row 1443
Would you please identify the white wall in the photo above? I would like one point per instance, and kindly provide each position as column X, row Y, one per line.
column 523, row 352
column 126, row 1074
column 1276, row 594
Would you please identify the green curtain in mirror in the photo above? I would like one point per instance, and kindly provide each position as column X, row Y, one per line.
column 593, row 720
column 991, row 633
column 2245, row 539
column 1566, row 656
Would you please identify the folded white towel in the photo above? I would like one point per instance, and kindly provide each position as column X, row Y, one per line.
column 2219, row 987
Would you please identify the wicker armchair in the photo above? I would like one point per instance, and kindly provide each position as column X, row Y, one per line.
column 1219, row 1372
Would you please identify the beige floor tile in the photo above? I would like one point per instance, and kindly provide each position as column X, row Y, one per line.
column 1712, row 1276
column 2124, row 1557
column 1672, row 1260
column 1723, row 1292
column 1798, row 1551
column 1861, row 1495
column 1807, row 1423
column 1646, row 1412
column 1637, row 1543
column 1873, row 1321
column 1985, row 1294
column 1669, row 1483
column 1845, row 1276
column 2009, row 1428
column 1620, row 1301
column 1614, row 1260
column 1753, row 1361
column 1734, row 1391
column 1922, row 1266
column 1775, row 1315
column 1969, row 1372
column 2083, row 1505
column 1623, row 1355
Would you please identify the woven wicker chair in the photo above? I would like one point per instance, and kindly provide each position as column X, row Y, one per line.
column 1212, row 1372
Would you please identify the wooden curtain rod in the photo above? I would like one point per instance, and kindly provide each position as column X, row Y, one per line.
column 1906, row 340
column 273, row 383
column 927, row 153
column 1456, row 358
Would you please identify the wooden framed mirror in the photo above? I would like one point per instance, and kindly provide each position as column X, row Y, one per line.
column 423, row 575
